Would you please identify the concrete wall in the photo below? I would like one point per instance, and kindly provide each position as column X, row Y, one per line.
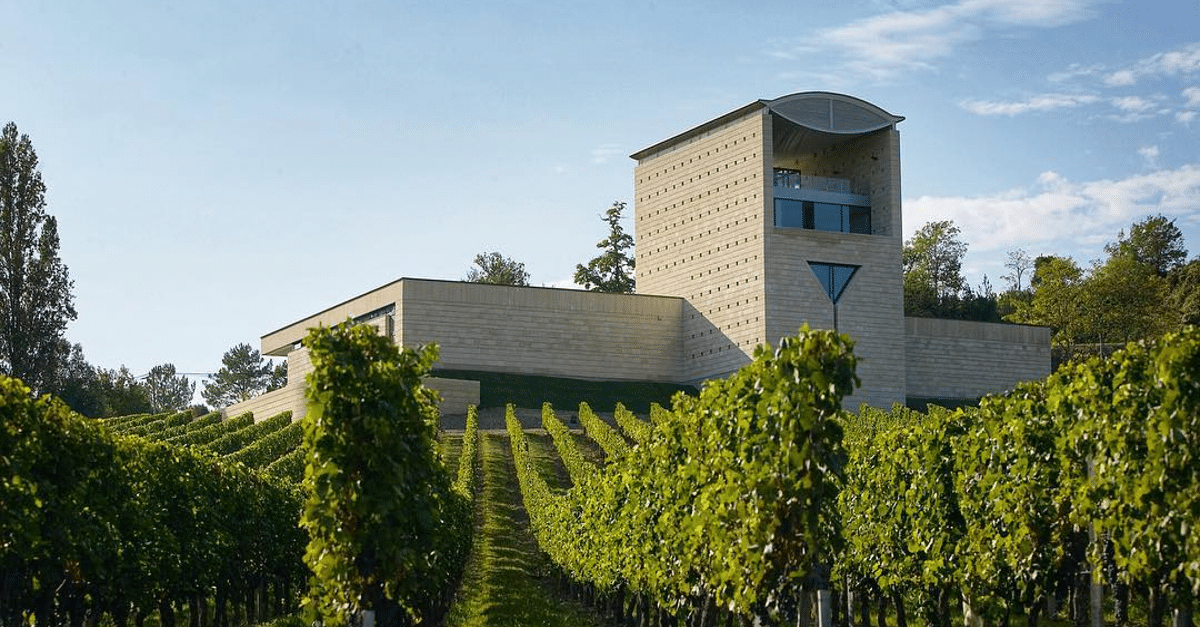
column 955, row 359
column 699, row 231
column 871, row 310
column 282, row 341
column 289, row 398
column 456, row 394
column 544, row 331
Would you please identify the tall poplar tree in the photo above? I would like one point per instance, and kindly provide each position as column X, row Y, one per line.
column 35, row 291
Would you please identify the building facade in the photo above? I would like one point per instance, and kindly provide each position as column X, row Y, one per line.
column 781, row 213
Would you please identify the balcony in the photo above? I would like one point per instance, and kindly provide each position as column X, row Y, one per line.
column 820, row 203
column 793, row 180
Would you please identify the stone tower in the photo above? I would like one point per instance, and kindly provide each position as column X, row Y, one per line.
column 780, row 213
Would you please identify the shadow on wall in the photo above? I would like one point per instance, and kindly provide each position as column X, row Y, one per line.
column 708, row 352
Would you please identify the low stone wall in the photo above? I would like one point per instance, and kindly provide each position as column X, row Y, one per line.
column 289, row 398
column 457, row 394
column 956, row 359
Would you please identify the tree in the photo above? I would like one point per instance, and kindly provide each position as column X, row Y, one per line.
column 168, row 391
column 1155, row 241
column 1020, row 265
column 932, row 262
column 35, row 291
column 497, row 269
column 1056, row 302
column 1184, row 295
column 77, row 383
column 243, row 374
column 120, row 393
column 612, row 271
column 1123, row 300
column 279, row 376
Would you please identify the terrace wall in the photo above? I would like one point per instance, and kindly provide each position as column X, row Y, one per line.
column 956, row 359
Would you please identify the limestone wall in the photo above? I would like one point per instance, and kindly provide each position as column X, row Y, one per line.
column 956, row 359
column 456, row 393
column 699, row 230
column 871, row 309
column 544, row 331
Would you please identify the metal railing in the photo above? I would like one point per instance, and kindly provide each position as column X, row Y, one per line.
column 793, row 179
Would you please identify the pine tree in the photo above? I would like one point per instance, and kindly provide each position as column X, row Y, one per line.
column 35, row 291
column 612, row 271
column 168, row 391
column 243, row 374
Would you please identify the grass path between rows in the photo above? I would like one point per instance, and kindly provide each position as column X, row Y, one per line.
column 506, row 580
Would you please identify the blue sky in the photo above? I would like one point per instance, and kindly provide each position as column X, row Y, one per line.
column 221, row 169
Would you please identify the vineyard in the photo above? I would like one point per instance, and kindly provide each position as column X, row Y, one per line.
column 758, row 501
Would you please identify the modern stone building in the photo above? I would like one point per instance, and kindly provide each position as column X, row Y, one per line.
column 777, row 214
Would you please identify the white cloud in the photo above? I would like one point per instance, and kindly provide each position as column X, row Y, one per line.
column 1150, row 154
column 886, row 44
column 1040, row 102
column 603, row 153
column 1064, row 215
column 1075, row 71
column 1132, row 104
column 1185, row 61
column 1185, row 117
column 1120, row 78
column 1136, row 108
column 1192, row 94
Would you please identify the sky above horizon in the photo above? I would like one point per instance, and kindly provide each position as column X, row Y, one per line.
column 222, row 169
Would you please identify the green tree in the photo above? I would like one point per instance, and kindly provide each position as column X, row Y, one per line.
column 932, row 262
column 1123, row 299
column 1057, row 302
column 243, row 374
column 35, row 292
column 1183, row 297
column 120, row 393
column 279, row 376
column 497, row 269
column 1155, row 242
column 612, row 271
column 166, row 390
column 77, row 383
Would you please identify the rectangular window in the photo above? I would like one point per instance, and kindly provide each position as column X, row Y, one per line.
column 822, row 216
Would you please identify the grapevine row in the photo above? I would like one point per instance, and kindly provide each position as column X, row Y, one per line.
column 674, row 523
column 577, row 467
column 266, row 448
column 96, row 523
column 599, row 431
column 464, row 483
column 637, row 430
column 199, row 423
column 236, row 440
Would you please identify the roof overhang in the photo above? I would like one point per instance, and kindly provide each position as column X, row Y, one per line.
column 811, row 121
column 802, row 122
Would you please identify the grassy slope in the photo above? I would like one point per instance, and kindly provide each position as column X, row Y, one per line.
column 506, row 580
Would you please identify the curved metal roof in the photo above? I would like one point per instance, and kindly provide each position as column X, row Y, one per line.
column 804, row 121
column 828, row 112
